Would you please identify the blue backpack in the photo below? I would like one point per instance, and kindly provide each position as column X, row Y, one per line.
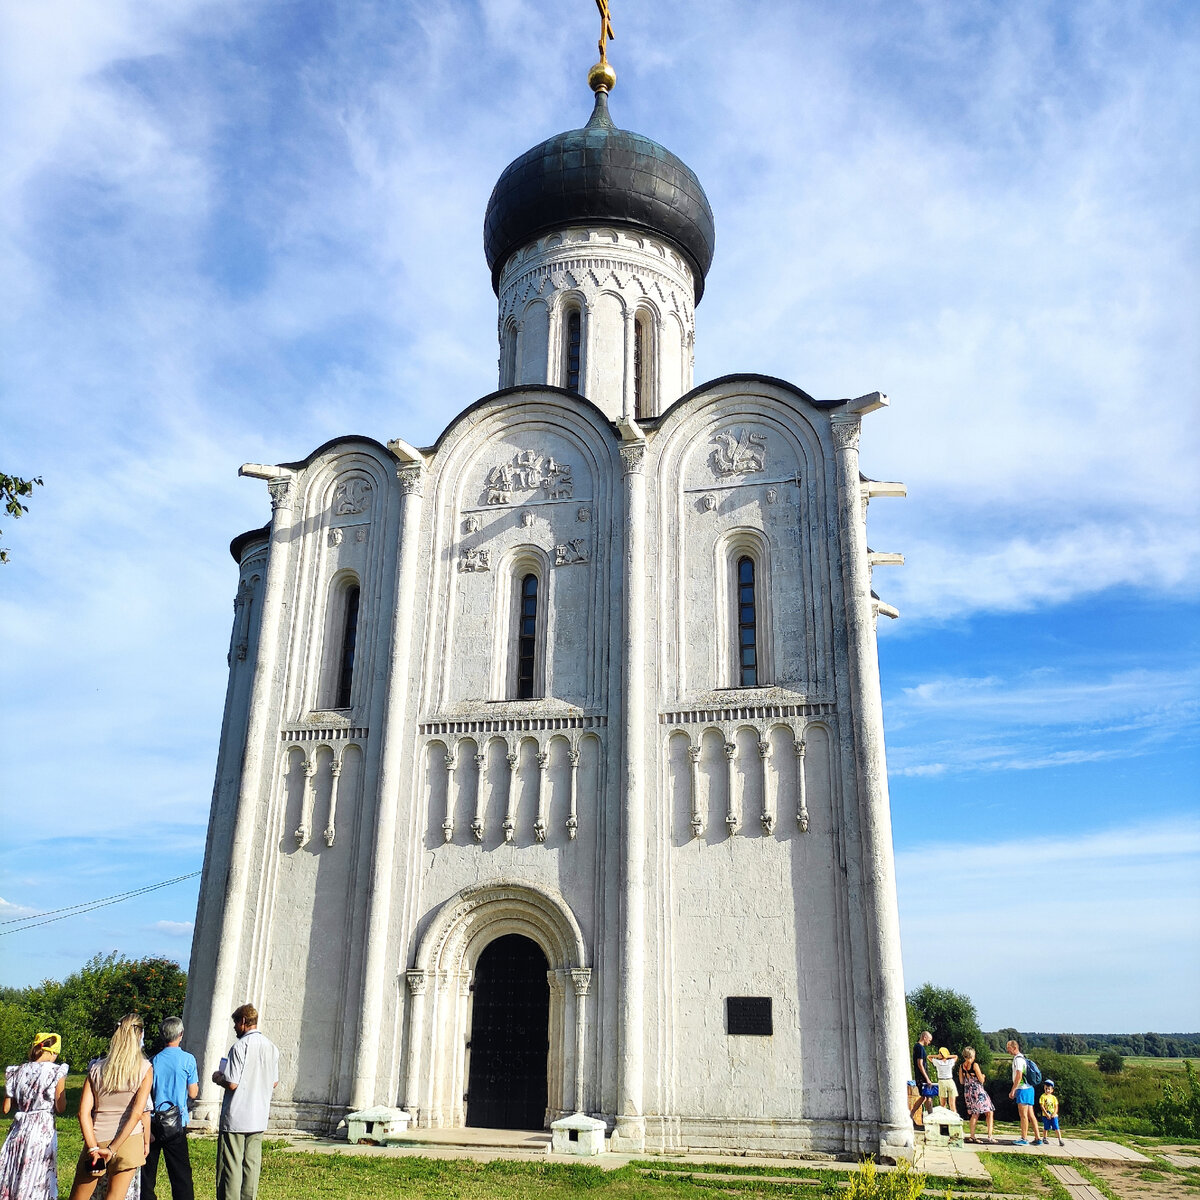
column 1033, row 1073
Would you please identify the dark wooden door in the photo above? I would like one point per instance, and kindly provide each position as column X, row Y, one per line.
column 506, row 1087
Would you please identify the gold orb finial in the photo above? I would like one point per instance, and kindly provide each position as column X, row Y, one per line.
column 602, row 77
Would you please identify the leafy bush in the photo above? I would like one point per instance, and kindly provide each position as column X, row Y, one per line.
column 1177, row 1114
column 1110, row 1062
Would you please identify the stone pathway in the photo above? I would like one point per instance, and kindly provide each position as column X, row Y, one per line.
column 1182, row 1160
column 1083, row 1148
column 1077, row 1187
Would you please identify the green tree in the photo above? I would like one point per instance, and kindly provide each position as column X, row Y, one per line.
column 85, row 1007
column 950, row 1017
column 12, row 488
column 1110, row 1062
column 1070, row 1043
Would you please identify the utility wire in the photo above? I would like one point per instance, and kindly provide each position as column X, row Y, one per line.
column 77, row 910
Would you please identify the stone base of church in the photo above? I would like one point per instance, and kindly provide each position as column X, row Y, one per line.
column 779, row 1137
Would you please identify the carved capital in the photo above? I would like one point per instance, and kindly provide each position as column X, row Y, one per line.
column 633, row 457
column 329, row 835
column 845, row 431
column 447, row 831
column 572, row 828
column 282, row 494
column 768, row 823
column 764, row 750
column 798, row 748
column 301, row 836
column 732, row 822
column 802, row 820
column 512, row 761
column 411, row 480
column 581, row 977
column 310, row 767
column 543, row 760
column 416, row 982
column 478, row 761
column 573, row 757
column 694, row 754
column 450, row 761
column 477, row 830
column 509, row 829
column 335, row 767
column 697, row 826
column 539, row 830
column 730, row 749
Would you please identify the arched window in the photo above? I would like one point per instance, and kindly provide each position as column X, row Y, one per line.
column 574, row 328
column 643, row 358
column 527, row 638
column 747, row 627
column 345, row 676
column 508, row 356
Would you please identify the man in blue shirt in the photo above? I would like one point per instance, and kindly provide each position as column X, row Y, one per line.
column 176, row 1081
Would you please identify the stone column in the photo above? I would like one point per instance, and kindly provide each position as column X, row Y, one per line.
column 477, row 829
column 581, row 978
column 539, row 826
column 416, row 981
column 630, row 1131
column 368, row 1047
column 731, row 815
column 307, row 799
column 573, row 818
column 448, row 823
column 799, row 748
column 878, row 866
column 261, row 740
column 767, row 819
column 694, row 771
column 513, row 757
column 335, row 768
column 629, row 387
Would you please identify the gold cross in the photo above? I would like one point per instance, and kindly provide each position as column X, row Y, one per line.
column 606, row 29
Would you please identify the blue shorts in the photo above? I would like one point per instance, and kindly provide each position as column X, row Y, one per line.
column 1049, row 1123
column 1025, row 1096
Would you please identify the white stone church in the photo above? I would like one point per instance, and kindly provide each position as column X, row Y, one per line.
column 552, row 777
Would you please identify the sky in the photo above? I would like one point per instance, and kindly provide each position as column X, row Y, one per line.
column 233, row 229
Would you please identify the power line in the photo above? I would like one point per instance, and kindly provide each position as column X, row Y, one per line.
column 76, row 910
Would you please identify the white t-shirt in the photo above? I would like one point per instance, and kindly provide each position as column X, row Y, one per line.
column 945, row 1066
column 1018, row 1067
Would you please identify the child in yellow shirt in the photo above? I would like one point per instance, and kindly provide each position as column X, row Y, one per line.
column 1049, row 1103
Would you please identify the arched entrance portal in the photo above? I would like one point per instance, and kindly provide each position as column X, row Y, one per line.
column 513, row 941
column 510, row 1021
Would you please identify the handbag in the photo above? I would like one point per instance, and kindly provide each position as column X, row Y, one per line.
column 166, row 1122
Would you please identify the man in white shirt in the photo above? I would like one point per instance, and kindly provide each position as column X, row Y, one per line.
column 249, row 1075
column 1022, row 1093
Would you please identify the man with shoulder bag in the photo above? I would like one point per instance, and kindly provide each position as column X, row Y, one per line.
column 176, row 1081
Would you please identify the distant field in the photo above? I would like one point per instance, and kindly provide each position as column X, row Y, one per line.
column 1164, row 1064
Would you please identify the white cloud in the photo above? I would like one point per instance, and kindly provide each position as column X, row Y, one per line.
column 174, row 928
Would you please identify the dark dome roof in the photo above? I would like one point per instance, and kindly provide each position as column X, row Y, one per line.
column 599, row 174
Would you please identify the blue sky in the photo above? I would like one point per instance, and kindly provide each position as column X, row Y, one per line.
column 230, row 231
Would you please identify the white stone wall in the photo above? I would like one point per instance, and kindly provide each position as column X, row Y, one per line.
column 668, row 838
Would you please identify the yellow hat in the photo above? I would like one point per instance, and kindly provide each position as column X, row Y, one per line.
column 47, row 1041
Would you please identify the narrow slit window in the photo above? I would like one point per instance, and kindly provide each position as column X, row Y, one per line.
column 639, row 366
column 508, row 358
column 573, row 338
column 349, row 638
column 747, row 624
column 527, row 637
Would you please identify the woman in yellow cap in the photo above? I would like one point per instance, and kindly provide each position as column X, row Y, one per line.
column 28, row 1162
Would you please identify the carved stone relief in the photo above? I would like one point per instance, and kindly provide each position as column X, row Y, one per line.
column 584, row 514
column 740, row 455
column 575, row 551
column 475, row 558
column 351, row 496
column 335, row 537
column 529, row 471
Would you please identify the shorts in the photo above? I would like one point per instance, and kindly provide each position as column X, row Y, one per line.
column 1025, row 1095
column 947, row 1089
column 1049, row 1123
column 129, row 1157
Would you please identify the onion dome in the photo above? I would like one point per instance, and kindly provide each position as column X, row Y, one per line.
column 599, row 175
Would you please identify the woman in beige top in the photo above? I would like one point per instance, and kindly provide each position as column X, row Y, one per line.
column 110, row 1115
